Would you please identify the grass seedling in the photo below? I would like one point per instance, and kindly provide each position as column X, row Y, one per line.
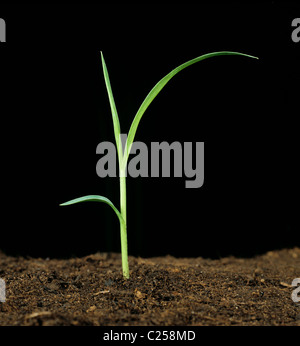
column 123, row 153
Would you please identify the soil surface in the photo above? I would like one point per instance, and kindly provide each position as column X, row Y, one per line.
column 161, row 291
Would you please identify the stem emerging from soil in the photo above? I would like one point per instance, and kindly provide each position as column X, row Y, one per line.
column 123, row 226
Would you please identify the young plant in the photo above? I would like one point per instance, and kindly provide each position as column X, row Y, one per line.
column 123, row 153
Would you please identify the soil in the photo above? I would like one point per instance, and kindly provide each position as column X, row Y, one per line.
column 161, row 291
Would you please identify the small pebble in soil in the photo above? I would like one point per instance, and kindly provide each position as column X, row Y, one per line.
column 109, row 282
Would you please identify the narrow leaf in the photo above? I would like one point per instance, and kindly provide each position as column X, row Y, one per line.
column 157, row 88
column 116, row 122
column 95, row 198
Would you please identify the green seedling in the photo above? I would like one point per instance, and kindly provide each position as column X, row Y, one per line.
column 123, row 153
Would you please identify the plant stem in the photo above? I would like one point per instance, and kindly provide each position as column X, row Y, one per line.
column 123, row 226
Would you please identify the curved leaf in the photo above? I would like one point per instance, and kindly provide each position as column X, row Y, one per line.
column 157, row 88
column 95, row 198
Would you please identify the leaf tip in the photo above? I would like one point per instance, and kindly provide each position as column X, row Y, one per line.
column 252, row 56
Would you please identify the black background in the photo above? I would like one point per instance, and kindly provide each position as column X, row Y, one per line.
column 55, row 110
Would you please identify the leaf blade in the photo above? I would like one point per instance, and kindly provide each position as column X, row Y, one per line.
column 157, row 88
column 115, row 117
column 95, row 198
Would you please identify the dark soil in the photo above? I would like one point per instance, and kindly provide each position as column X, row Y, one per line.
column 161, row 291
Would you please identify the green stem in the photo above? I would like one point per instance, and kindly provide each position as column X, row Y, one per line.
column 123, row 226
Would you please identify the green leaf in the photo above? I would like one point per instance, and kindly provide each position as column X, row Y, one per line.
column 116, row 122
column 157, row 88
column 95, row 198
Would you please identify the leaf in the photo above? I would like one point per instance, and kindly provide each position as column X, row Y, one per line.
column 157, row 88
column 95, row 198
column 116, row 122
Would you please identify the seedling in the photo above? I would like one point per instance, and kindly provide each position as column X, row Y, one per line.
column 123, row 153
